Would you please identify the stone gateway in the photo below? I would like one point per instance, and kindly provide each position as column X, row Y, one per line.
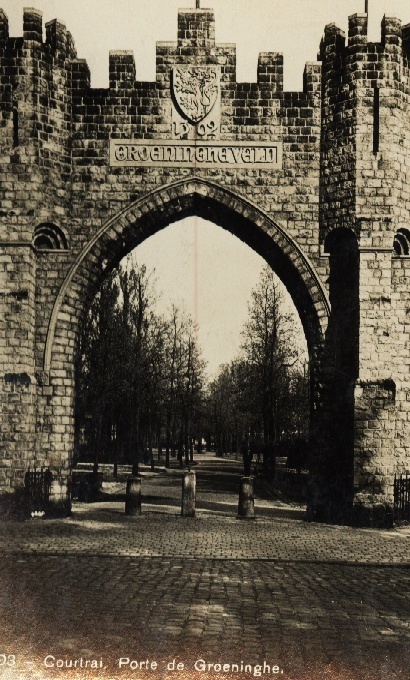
column 317, row 182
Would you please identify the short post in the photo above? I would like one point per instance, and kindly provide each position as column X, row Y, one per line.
column 133, row 496
column 246, row 509
column 188, row 494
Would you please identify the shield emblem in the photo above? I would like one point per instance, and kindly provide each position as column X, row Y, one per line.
column 195, row 90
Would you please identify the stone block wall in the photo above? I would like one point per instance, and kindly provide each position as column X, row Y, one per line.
column 18, row 381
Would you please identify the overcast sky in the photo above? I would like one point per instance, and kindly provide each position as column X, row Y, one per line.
column 225, row 270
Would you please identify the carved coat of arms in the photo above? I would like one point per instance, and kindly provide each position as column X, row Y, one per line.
column 195, row 90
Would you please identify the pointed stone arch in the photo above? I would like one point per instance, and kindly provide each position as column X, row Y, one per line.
column 116, row 238
column 183, row 198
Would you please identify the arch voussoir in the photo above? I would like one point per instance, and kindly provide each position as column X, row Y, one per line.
column 183, row 198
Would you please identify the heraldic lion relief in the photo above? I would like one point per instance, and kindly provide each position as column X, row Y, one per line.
column 195, row 90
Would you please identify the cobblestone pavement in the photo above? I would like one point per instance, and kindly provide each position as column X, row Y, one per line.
column 316, row 601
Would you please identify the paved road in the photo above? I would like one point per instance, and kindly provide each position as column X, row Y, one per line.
column 307, row 600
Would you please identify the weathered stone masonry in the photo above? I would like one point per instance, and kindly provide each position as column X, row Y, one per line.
column 331, row 216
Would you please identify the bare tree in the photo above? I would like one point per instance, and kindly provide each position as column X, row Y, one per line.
column 138, row 373
column 269, row 349
column 251, row 404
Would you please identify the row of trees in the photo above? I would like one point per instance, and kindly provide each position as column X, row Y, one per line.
column 258, row 404
column 141, row 380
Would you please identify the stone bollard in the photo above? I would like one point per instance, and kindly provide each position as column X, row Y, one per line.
column 246, row 508
column 188, row 494
column 133, row 496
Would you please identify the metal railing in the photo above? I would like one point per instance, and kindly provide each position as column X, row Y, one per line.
column 402, row 498
column 85, row 485
column 37, row 485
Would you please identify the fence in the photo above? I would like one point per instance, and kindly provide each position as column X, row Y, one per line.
column 37, row 484
column 85, row 486
column 402, row 498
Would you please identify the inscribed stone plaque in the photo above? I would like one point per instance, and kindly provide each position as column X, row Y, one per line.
column 179, row 154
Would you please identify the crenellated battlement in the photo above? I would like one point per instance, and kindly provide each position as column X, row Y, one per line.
column 196, row 29
column 122, row 69
column 32, row 25
column 59, row 39
column 195, row 35
column 270, row 70
column 357, row 30
column 4, row 26
column 56, row 35
column 360, row 55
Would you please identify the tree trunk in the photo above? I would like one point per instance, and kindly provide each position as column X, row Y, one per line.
column 186, row 443
column 115, row 467
column 180, row 447
column 150, row 449
column 98, row 441
column 236, row 441
column 168, row 440
column 159, row 443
